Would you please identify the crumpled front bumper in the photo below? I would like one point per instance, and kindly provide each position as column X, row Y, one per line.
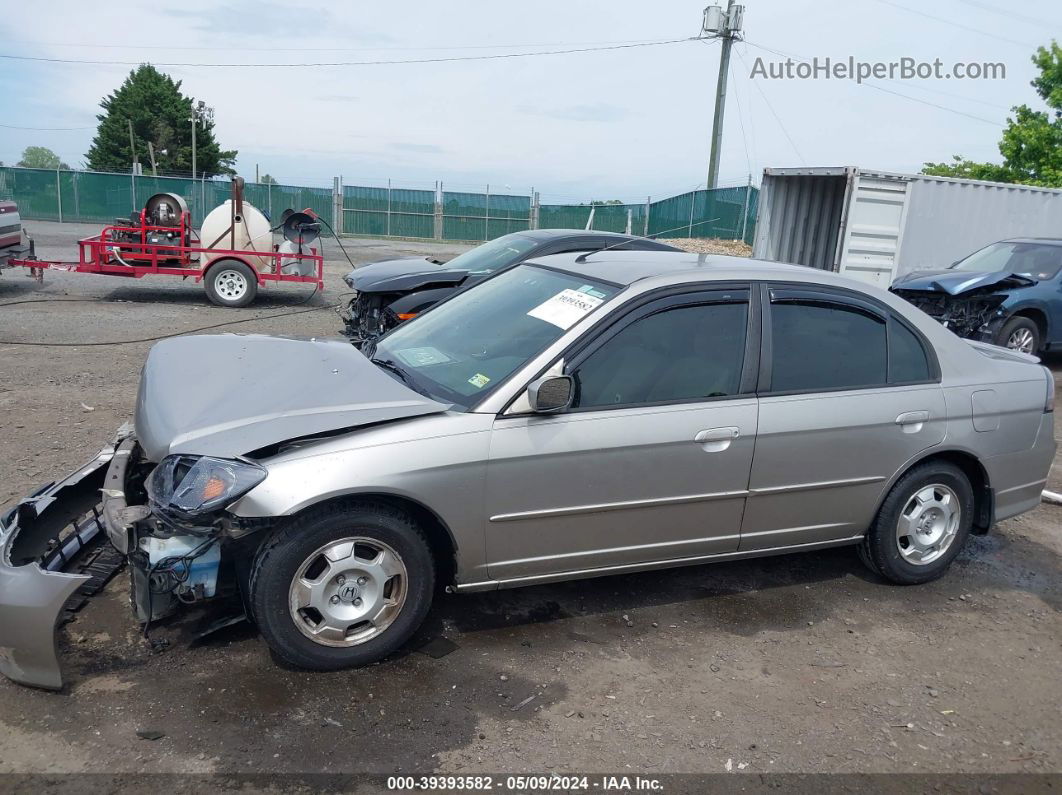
column 33, row 589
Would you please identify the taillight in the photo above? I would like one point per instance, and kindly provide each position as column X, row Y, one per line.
column 406, row 315
column 1049, row 403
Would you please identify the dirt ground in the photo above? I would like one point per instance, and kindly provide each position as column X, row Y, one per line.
column 805, row 663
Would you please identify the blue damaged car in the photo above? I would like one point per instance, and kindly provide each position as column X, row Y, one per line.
column 1008, row 293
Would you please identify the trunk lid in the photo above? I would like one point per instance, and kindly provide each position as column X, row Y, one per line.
column 226, row 395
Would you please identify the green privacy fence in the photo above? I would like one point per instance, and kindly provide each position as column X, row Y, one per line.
column 435, row 213
column 724, row 212
column 483, row 216
column 92, row 197
column 383, row 212
column 605, row 217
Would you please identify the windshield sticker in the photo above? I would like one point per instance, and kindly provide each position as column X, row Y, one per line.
column 566, row 308
column 478, row 380
column 589, row 290
column 423, row 357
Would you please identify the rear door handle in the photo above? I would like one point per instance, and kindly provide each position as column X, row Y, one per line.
column 715, row 440
column 912, row 421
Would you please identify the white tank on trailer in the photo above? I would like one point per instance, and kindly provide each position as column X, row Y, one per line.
column 248, row 230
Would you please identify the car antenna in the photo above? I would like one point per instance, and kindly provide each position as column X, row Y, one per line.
column 582, row 257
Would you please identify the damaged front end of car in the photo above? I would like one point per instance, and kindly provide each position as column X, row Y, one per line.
column 973, row 305
column 50, row 552
column 976, row 316
column 165, row 493
column 170, row 523
column 54, row 546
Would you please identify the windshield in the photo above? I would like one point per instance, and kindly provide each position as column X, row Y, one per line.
column 495, row 255
column 464, row 348
column 1039, row 260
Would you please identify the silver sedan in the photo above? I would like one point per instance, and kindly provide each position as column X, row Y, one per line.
column 569, row 417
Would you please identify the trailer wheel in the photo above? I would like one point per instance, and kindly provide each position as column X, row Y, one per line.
column 230, row 282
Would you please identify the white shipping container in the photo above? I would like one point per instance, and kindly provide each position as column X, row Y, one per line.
column 877, row 225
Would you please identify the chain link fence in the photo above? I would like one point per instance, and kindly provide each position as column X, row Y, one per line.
column 429, row 214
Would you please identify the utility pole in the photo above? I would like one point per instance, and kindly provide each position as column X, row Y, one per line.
column 194, row 121
column 132, row 145
column 200, row 112
column 726, row 26
column 151, row 154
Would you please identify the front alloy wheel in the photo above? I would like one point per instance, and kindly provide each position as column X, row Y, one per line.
column 1020, row 334
column 348, row 591
column 342, row 585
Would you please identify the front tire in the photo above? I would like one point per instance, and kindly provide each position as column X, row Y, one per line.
column 342, row 586
column 922, row 525
column 231, row 283
column 1020, row 334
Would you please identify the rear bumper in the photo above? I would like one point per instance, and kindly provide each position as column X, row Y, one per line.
column 1018, row 479
column 37, row 537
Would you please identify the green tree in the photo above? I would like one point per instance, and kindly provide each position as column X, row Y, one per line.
column 1032, row 140
column 40, row 157
column 161, row 114
column 267, row 179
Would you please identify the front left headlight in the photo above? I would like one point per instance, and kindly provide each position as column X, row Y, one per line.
column 200, row 484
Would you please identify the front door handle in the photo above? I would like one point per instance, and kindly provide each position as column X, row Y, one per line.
column 715, row 440
column 912, row 421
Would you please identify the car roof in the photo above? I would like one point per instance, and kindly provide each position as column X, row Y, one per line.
column 1050, row 241
column 553, row 234
column 627, row 267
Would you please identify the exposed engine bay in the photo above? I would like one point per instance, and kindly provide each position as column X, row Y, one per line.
column 368, row 316
column 966, row 315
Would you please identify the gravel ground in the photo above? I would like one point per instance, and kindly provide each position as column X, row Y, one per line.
column 805, row 663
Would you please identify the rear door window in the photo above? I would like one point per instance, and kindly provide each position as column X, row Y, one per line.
column 908, row 361
column 821, row 342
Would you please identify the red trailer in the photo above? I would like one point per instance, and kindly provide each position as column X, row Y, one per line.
column 160, row 239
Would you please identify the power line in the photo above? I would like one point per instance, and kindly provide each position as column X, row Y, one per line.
column 1010, row 14
column 744, row 135
column 956, row 24
column 44, row 129
column 164, row 47
column 933, row 105
column 448, row 59
column 767, row 102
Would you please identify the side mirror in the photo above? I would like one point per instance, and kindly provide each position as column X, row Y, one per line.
column 551, row 393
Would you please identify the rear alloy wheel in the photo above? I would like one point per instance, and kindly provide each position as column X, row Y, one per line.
column 927, row 525
column 231, row 283
column 922, row 524
column 1020, row 334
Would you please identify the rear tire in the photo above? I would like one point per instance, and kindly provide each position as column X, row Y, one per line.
column 313, row 601
column 231, row 283
column 1020, row 334
column 922, row 525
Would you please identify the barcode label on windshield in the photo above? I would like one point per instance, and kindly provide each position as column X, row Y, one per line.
column 566, row 308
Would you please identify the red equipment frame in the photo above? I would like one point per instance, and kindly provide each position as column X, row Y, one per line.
column 103, row 254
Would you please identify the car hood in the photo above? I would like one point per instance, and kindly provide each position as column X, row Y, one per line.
column 955, row 282
column 399, row 275
column 229, row 394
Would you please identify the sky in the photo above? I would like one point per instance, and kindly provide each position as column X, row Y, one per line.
column 612, row 124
